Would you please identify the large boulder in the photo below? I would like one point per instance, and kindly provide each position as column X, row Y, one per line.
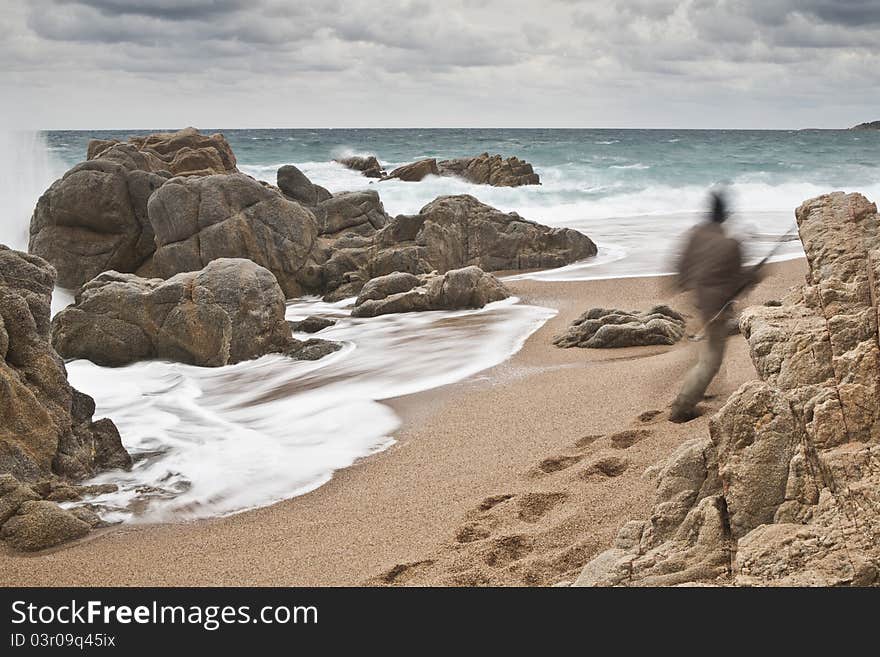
column 485, row 169
column 368, row 165
column 296, row 186
column 230, row 311
column 46, row 426
column 199, row 219
column 457, row 231
column 186, row 152
column 602, row 328
column 785, row 489
column 360, row 213
column 94, row 218
column 400, row 292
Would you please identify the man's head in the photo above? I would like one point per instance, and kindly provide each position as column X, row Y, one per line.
column 718, row 208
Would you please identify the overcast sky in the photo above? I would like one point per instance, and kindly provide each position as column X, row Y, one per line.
column 396, row 63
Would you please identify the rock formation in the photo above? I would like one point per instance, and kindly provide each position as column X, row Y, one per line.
column 485, row 169
column 47, row 430
column 124, row 211
column 469, row 287
column 94, row 218
column 601, row 328
column 46, row 426
column 199, row 219
column 784, row 490
column 449, row 233
column 186, row 152
column 368, row 165
column 870, row 125
column 230, row 311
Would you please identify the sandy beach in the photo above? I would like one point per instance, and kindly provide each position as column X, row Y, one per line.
column 516, row 476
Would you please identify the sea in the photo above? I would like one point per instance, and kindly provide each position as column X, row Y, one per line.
column 215, row 441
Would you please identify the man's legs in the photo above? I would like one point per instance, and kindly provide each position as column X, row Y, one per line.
column 701, row 375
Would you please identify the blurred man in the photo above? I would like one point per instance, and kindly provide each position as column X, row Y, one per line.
column 711, row 266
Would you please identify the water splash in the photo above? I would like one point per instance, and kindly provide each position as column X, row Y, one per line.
column 27, row 168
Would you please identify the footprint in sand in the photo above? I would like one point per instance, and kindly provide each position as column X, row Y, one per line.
column 628, row 438
column 403, row 572
column 507, row 549
column 534, row 506
column 606, row 466
column 586, row 441
column 648, row 416
column 493, row 501
column 554, row 464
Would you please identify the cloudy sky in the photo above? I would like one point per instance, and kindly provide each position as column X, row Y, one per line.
column 387, row 63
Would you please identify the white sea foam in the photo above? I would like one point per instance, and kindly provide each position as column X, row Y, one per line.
column 214, row 441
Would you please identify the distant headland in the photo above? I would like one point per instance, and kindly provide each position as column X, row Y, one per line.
column 871, row 125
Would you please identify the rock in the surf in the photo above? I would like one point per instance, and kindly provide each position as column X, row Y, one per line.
column 197, row 220
column 400, row 292
column 46, row 426
column 603, row 328
column 368, row 165
column 360, row 213
column 295, row 185
column 230, row 311
column 485, row 169
column 783, row 491
column 415, row 171
column 311, row 324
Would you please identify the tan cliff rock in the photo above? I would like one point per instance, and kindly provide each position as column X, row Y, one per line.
column 786, row 488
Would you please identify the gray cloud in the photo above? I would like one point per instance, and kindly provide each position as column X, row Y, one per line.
column 688, row 63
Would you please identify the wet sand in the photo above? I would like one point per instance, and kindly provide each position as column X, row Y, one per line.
column 516, row 476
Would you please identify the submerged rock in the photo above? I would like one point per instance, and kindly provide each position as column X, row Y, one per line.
column 400, row 292
column 46, row 426
column 784, row 489
column 230, row 311
column 602, row 328
column 311, row 324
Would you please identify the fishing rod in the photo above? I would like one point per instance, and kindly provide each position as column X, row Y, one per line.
column 749, row 280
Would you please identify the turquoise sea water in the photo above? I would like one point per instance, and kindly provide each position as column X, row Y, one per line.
column 214, row 441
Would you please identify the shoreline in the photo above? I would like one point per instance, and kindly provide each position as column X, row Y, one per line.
column 396, row 516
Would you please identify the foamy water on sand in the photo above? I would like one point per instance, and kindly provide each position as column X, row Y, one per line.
column 213, row 441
